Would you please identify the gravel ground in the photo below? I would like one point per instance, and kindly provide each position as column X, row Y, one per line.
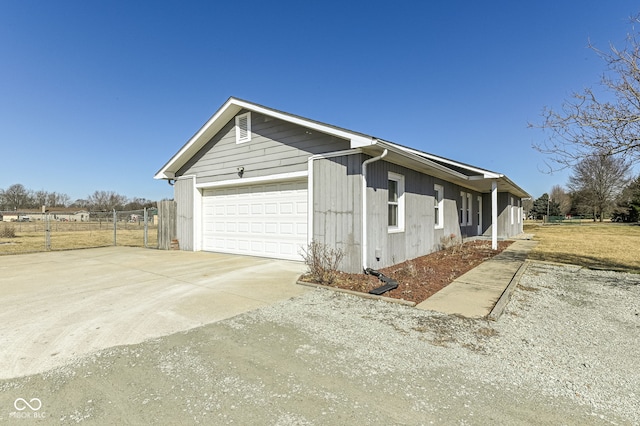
column 565, row 351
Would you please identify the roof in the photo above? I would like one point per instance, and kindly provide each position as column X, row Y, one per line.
column 463, row 174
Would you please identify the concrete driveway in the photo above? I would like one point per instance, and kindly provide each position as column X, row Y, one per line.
column 58, row 305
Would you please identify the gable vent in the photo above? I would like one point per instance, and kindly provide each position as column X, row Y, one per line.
column 243, row 128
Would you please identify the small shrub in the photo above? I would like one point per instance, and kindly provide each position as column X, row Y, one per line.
column 322, row 261
column 8, row 231
column 452, row 242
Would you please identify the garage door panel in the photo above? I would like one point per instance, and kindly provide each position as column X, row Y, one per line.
column 261, row 220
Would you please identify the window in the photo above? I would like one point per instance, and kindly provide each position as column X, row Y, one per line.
column 511, row 210
column 465, row 208
column 395, row 203
column 437, row 205
column 243, row 128
column 519, row 211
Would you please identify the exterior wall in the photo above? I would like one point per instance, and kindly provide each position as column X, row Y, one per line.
column 275, row 147
column 337, row 212
column 420, row 237
column 184, row 196
column 337, row 207
column 506, row 229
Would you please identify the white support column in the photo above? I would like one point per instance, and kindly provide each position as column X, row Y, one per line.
column 494, row 214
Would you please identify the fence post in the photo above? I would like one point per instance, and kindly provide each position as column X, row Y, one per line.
column 146, row 228
column 166, row 223
column 115, row 226
column 47, row 232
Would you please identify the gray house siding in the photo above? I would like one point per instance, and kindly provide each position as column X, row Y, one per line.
column 183, row 194
column 337, row 207
column 275, row 147
column 506, row 229
column 337, row 212
column 420, row 236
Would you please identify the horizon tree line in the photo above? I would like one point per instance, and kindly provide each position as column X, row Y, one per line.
column 17, row 197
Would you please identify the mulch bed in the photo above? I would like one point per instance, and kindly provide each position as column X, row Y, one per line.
column 422, row 277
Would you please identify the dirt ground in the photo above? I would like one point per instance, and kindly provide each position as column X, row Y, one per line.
column 323, row 358
column 422, row 277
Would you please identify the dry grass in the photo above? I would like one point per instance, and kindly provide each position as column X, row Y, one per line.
column 30, row 237
column 609, row 246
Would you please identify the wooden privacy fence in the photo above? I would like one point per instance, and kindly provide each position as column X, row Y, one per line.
column 167, row 215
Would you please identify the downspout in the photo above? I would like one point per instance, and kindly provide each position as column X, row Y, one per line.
column 364, row 205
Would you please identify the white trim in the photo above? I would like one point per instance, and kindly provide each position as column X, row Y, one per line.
column 494, row 214
column 511, row 211
column 399, row 179
column 469, row 209
column 479, row 214
column 439, row 198
column 310, row 201
column 414, row 155
column 356, row 140
column 197, row 218
column 336, row 154
column 258, row 179
column 486, row 174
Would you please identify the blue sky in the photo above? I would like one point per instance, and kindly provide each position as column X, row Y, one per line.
column 98, row 95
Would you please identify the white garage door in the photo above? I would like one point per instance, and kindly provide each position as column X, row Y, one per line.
column 268, row 220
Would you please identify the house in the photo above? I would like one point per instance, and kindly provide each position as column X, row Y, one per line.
column 67, row 214
column 258, row 181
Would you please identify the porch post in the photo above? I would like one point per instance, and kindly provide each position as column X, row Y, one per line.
column 494, row 214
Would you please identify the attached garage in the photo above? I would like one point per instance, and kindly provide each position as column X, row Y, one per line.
column 241, row 187
column 268, row 220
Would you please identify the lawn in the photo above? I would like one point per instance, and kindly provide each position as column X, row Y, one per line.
column 30, row 237
column 610, row 246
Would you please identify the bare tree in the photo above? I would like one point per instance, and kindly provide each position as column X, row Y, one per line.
column 608, row 121
column 56, row 199
column 597, row 181
column 106, row 200
column 559, row 195
column 39, row 198
column 16, row 197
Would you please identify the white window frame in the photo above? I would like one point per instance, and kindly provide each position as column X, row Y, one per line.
column 511, row 211
column 469, row 209
column 519, row 211
column 463, row 208
column 399, row 179
column 239, row 137
column 438, row 206
column 479, row 214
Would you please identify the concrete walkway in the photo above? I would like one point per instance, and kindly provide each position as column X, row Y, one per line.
column 485, row 288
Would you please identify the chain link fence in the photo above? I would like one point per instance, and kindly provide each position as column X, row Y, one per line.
column 52, row 231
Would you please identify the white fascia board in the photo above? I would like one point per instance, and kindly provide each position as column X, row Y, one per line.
column 259, row 179
column 518, row 191
column 210, row 128
column 230, row 109
column 407, row 153
column 335, row 154
column 356, row 140
column 485, row 173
